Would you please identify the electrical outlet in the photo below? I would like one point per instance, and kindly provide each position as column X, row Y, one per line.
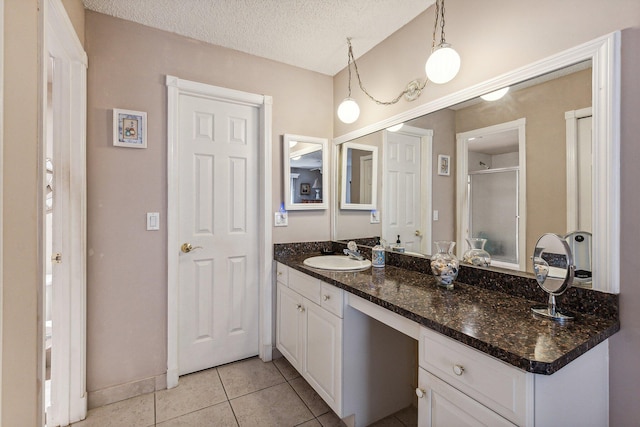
column 435, row 215
column 281, row 219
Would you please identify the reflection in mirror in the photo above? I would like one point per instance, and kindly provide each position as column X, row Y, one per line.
column 305, row 177
column 491, row 190
column 572, row 176
column 359, row 177
column 500, row 173
column 554, row 270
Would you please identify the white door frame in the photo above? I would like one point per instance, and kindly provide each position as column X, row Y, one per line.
column 462, row 196
column 571, row 118
column 426, row 180
column 176, row 87
column 61, row 43
column 1, row 182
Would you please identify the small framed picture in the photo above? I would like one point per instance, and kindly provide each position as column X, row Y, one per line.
column 129, row 128
column 444, row 165
column 305, row 188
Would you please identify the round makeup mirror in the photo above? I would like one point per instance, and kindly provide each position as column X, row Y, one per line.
column 554, row 269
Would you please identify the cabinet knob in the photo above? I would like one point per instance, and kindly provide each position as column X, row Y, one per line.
column 420, row 392
column 458, row 369
column 326, row 297
column 279, row 273
column 300, row 308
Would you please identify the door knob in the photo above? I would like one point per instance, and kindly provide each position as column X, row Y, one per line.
column 418, row 233
column 420, row 392
column 186, row 248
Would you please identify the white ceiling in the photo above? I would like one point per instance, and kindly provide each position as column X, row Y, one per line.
column 310, row 34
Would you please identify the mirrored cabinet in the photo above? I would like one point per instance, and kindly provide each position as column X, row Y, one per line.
column 306, row 183
column 359, row 177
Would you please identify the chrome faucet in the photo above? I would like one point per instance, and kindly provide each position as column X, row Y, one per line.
column 352, row 251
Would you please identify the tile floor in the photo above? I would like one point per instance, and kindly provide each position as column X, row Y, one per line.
column 245, row 393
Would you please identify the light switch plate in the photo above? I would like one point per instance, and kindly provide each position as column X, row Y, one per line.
column 153, row 221
column 281, row 219
column 375, row 217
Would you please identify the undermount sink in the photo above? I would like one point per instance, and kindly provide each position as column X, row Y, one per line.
column 337, row 263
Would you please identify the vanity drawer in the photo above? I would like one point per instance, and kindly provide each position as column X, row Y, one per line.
column 306, row 286
column 332, row 299
column 282, row 274
column 501, row 387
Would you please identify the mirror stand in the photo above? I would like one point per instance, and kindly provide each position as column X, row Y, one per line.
column 551, row 311
column 554, row 270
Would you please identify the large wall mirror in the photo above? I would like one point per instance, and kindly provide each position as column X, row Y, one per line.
column 306, row 183
column 541, row 159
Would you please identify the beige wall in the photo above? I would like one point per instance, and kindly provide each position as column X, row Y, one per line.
column 75, row 11
column 127, row 286
column 496, row 36
column 21, row 263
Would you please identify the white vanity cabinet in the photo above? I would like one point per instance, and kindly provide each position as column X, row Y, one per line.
column 309, row 331
column 363, row 369
column 458, row 385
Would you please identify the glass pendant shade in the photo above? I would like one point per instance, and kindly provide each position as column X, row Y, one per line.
column 443, row 64
column 348, row 110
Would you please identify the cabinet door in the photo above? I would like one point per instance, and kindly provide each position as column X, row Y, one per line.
column 323, row 354
column 441, row 405
column 289, row 325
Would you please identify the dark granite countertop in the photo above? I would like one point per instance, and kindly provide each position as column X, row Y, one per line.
column 495, row 323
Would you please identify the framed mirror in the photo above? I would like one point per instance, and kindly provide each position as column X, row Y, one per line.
column 359, row 176
column 584, row 81
column 305, row 164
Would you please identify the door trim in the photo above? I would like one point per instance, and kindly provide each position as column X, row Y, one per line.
column 61, row 43
column 571, row 124
column 176, row 87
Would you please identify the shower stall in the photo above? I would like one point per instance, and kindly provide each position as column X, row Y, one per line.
column 493, row 212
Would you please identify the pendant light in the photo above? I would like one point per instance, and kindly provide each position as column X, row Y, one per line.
column 442, row 65
column 444, row 62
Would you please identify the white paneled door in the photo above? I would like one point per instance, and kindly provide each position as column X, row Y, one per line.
column 218, row 263
column 402, row 179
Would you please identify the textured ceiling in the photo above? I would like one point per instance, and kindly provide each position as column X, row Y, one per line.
column 309, row 34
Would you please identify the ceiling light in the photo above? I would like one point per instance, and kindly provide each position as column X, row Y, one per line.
column 495, row 95
column 395, row 128
column 444, row 62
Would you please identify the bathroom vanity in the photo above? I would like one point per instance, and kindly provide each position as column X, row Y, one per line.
column 482, row 357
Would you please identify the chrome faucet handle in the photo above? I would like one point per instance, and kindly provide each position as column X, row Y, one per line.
column 352, row 246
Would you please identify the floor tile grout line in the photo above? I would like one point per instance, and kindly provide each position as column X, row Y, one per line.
column 305, row 403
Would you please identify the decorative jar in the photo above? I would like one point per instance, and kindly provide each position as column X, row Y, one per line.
column 444, row 265
column 476, row 255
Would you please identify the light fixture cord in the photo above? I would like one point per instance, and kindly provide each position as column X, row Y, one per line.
column 439, row 17
column 394, row 100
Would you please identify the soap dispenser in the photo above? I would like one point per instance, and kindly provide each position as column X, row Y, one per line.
column 377, row 255
column 398, row 247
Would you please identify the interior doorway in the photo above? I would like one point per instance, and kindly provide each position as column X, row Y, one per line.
column 176, row 89
column 63, row 238
column 407, row 192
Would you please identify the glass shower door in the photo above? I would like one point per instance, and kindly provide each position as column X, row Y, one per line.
column 493, row 213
